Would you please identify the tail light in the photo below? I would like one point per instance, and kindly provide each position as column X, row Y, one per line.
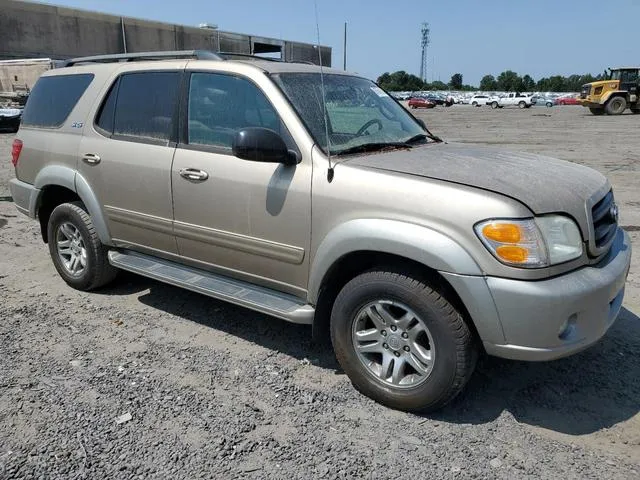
column 16, row 148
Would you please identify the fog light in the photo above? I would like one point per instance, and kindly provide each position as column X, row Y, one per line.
column 568, row 327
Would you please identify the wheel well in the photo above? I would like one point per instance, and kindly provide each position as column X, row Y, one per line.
column 50, row 198
column 355, row 263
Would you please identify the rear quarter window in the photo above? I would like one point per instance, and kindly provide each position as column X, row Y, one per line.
column 53, row 98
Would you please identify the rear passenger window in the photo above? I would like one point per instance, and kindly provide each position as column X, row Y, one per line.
column 220, row 105
column 53, row 98
column 145, row 105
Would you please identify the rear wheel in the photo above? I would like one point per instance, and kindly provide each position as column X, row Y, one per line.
column 475, row 104
column 494, row 105
column 522, row 105
column 400, row 341
column 616, row 106
column 77, row 253
column 596, row 111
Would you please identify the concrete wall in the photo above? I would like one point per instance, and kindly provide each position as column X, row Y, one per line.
column 31, row 30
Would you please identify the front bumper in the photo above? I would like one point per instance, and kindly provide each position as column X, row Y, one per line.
column 548, row 319
column 25, row 196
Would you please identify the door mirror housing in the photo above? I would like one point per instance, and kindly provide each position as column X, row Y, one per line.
column 260, row 144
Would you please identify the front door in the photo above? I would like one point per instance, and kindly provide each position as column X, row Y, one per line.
column 245, row 219
column 126, row 159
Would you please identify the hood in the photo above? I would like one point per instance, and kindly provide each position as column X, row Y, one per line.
column 543, row 184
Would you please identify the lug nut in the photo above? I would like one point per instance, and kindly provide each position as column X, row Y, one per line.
column 397, row 354
column 384, row 345
column 384, row 333
column 406, row 348
column 405, row 335
column 393, row 328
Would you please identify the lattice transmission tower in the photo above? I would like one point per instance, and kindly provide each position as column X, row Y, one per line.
column 424, row 42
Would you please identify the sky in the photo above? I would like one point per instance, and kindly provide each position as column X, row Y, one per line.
column 539, row 38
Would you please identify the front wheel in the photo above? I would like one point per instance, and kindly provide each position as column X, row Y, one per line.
column 400, row 341
column 474, row 104
column 494, row 105
column 77, row 253
column 616, row 106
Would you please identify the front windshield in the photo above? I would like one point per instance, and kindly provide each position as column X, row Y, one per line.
column 358, row 111
column 614, row 75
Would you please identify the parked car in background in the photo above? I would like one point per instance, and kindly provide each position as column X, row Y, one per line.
column 10, row 119
column 419, row 102
column 436, row 98
column 570, row 100
column 513, row 99
column 544, row 101
column 479, row 100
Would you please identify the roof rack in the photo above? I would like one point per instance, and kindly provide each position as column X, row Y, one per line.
column 230, row 55
column 130, row 57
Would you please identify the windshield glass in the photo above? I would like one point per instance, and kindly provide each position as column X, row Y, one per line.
column 614, row 75
column 358, row 111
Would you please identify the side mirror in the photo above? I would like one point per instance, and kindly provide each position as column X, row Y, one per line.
column 262, row 145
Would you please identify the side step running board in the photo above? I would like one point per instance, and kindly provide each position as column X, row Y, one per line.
column 271, row 302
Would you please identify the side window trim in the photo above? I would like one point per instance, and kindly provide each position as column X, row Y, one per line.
column 183, row 128
column 114, row 88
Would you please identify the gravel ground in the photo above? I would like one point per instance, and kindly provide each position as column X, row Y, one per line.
column 144, row 380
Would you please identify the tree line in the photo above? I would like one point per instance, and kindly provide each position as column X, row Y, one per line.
column 507, row 81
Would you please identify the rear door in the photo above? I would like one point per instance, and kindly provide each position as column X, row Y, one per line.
column 126, row 158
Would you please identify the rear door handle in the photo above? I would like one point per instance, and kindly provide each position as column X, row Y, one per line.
column 194, row 174
column 91, row 158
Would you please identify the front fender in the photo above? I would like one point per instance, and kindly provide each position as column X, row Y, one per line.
column 421, row 244
column 69, row 178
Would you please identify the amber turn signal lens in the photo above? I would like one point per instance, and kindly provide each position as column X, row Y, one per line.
column 512, row 253
column 502, row 232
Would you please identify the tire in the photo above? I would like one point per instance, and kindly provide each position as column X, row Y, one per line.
column 596, row 111
column 522, row 105
column 549, row 104
column 494, row 105
column 616, row 106
column 440, row 326
column 70, row 224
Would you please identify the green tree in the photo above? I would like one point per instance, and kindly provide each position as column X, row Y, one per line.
column 401, row 81
column 528, row 83
column 438, row 85
column 488, row 83
column 456, row 81
column 509, row 81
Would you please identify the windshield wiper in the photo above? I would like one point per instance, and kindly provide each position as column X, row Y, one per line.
column 417, row 138
column 372, row 147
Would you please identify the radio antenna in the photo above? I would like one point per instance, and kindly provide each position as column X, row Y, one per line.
column 324, row 99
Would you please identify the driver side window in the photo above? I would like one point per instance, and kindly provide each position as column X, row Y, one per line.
column 220, row 105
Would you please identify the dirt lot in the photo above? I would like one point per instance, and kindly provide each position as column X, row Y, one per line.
column 215, row 391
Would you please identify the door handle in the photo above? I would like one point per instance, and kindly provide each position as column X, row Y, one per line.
column 91, row 158
column 194, row 174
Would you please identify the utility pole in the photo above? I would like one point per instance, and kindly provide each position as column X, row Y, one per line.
column 345, row 47
column 424, row 43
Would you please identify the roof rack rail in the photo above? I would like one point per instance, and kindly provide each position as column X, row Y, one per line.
column 129, row 57
column 231, row 55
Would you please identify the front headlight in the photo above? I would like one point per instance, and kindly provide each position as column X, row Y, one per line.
column 532, row 243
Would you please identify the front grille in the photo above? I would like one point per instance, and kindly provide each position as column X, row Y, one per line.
column 586, row 90
column 604, row 216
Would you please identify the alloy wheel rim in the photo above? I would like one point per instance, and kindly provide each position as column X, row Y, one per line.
column 393, row 344
column 71, row 249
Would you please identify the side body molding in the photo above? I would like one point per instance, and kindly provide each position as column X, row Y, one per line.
column 415, row 242
column 71, row 179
